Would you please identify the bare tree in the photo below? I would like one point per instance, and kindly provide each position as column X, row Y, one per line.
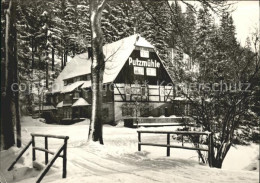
column 97, row 70
column 8, row 111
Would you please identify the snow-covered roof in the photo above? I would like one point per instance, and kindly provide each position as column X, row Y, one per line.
column 80, row 102
column 73, row 86
column 80, row 65
column 59, row 105
column 44, row 108
column 116, row 55
column 180, row 98
column 86, row 84
column 143, row 43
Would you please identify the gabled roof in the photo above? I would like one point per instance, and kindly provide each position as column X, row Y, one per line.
column 80, row 102
column 116, row 55
column 59, row 105
column 44, row 108
column 80, row 65
column 143, row 43
column 73, row 86
column 86, row 84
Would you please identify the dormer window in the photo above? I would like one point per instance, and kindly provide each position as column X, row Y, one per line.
column 88, row 77
column 76, row 79
column 144, row 53
column 65, row 82
column 76, row 95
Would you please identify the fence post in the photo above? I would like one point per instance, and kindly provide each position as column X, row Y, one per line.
column 46, row 153
column 168, row 144
column 210, row 146
column 139, row 141
column 64, row 173
column 182, row 140
column 33, row 150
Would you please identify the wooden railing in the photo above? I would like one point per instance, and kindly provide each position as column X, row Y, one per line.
column 182, row 133
column 47, row 152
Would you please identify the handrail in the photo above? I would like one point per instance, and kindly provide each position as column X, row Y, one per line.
column 20, row 155
column 175, row 132
column 51, row 136
column 47, row 168
column 182, row 133
column 47, row 151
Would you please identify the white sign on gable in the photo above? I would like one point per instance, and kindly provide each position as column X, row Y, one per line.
column 139, row 70
column 143, row 63
column 151, row 71
column 144, row 53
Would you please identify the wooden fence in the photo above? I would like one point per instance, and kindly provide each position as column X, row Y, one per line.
column 168, row 144
column 48, row 163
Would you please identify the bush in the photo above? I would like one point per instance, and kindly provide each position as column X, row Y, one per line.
column 50, row 117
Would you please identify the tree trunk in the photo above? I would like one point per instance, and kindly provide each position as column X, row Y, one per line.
column 7, row 130
column 65, row 57
column 62, row 61
column 52, row 59
column 97, row 71
column 217, row 163
column 16, row 80
column 47, row 74
column 32, row 53
column 216, row 159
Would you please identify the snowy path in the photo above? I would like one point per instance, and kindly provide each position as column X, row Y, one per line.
column 85, row 166
column 119, row 161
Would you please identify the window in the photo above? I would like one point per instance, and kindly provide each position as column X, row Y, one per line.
column 65, row 83
column 67, row 113
column 105, row 113
column 76, row 95
column 127, row 91
column 127, row 111
column 151, row 71
column 162, row 91
column 76, row 79
column 67, row 96
column 144, row 93
column 85, row 93
column 144, row 53
column 104, row 91
column 57, row 99
column 88, row 77
column 136, row 90
column 139, row 70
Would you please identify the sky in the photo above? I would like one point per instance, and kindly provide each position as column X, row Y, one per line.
column 246, row 17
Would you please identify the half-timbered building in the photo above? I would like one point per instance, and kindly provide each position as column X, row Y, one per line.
column 136, row 83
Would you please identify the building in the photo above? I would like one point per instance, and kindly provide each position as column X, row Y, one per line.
column 136, row 83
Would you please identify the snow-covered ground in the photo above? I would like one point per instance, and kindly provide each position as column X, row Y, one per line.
column 119, row 161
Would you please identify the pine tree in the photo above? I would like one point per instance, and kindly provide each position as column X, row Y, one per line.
column 189, row 28
column 177, row 37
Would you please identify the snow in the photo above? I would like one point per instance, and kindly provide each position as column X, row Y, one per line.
column 79, row 65
column 86, row 84
column 59, row 105
column 143, row 43
column 119, row 161
column 71, row 87
column 180, row 98
column 44, row 108
column 116, row 55
column 80, row 102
